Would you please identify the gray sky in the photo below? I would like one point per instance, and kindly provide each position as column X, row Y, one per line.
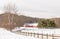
column 36, row 8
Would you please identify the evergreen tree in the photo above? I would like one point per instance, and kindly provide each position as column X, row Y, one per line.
column 46, row 23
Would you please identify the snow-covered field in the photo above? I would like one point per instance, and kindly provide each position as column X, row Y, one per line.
column 4, row 34
column 56, row 32
column 44, row 31
column 36, row 30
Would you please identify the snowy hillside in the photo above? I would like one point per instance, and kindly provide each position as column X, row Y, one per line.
column 4, row 34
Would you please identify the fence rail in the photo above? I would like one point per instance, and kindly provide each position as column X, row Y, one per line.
column 40, row 35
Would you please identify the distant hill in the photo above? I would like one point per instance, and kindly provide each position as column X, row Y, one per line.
column 57, row 21
column 8, row 20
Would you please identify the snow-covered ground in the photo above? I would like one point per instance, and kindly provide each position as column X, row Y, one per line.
column 4, row 34
column 44, row 31
column 36, row 30
column 56, row 32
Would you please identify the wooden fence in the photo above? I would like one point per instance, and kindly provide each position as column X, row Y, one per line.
column 41, row 35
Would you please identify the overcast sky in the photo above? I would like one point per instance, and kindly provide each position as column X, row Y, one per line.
column 36, row 8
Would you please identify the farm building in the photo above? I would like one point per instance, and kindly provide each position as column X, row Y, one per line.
column 26, row 26
column 32, row 25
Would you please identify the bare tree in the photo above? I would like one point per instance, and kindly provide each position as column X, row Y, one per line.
column 10, row 8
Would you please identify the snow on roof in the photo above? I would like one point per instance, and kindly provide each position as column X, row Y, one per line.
column 31, row 24
column 4, row 34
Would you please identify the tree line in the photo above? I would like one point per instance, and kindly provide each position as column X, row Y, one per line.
column 46, row 23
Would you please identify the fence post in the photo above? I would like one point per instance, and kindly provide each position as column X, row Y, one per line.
column 34, row 34
column 26, row 33
column 20, row 31
column 42, row 35
column 31, row 34
column 52, row 36
column 47, row 36
column 38, row 35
